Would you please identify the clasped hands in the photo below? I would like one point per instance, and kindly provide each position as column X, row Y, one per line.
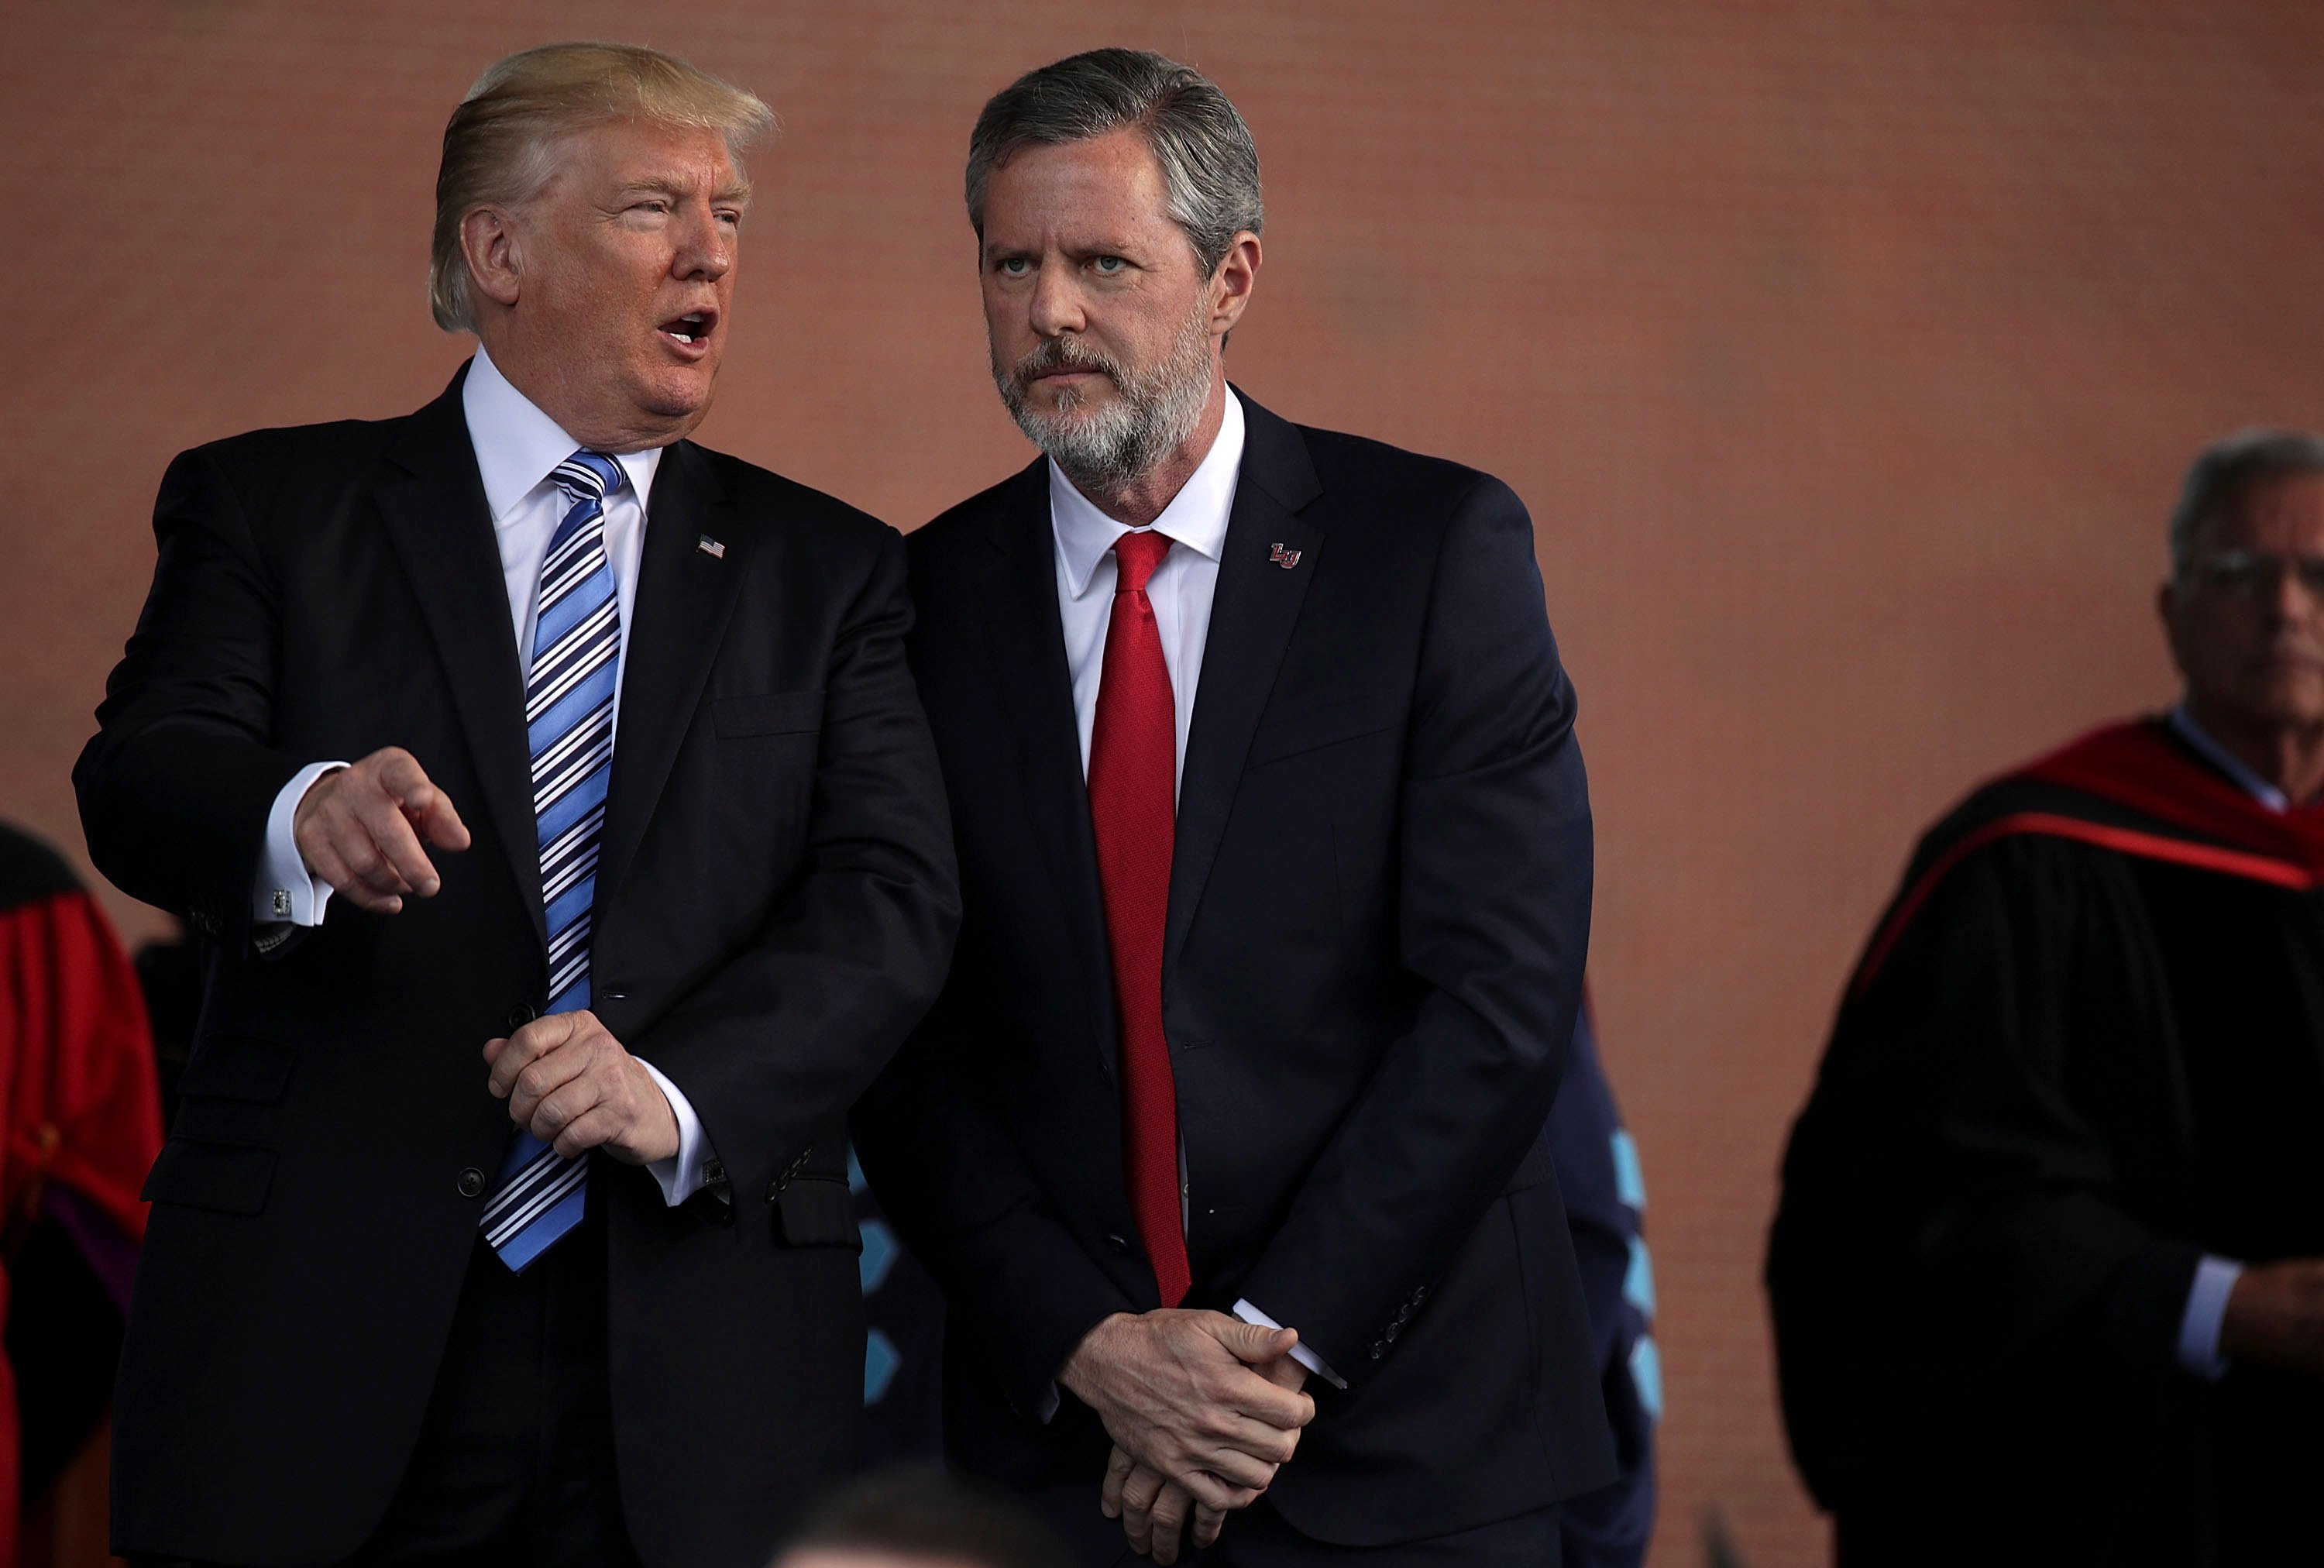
column 566, row 1079
column 1203, row 1409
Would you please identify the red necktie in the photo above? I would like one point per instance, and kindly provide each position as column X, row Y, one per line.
column 1133, row 807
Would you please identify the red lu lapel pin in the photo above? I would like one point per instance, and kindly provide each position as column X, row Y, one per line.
column 1283, row 558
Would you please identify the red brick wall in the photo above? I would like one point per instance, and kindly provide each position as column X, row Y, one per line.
column 1846, row 355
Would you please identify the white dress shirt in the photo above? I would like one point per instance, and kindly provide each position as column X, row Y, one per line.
column 1180, row 590
column 517, row 446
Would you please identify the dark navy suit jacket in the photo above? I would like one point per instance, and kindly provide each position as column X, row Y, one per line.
column 1378, row 911
column 774, row 906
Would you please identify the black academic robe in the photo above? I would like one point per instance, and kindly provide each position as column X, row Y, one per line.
column 2084, row 1047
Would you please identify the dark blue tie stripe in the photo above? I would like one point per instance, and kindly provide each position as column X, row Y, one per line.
column 586, row 596
column 579, row 650
column 573, row 903
column 594, row 690
column 569, row 689
column 576, row 804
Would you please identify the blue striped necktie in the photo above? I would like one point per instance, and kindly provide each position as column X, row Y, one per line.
column 569, row 712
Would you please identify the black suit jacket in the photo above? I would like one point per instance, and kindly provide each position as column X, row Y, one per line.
column 1379, row 906
column 776, row 901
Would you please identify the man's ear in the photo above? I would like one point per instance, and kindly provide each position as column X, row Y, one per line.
column 495, row 255
column 1232, row 283
column 2166, row 608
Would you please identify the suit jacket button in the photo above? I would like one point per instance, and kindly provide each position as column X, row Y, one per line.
column 519, row 1016
column 1118, row 1242
column 1379, row 1349
column 1394, row 1328
column 471, row 1183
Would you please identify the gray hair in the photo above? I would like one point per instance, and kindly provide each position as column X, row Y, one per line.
column 2225, row 470
column 497, row 148
column 1210, row 164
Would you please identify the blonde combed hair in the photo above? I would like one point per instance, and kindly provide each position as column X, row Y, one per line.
column 497, row 146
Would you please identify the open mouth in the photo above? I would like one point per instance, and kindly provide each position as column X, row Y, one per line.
column 691, row 331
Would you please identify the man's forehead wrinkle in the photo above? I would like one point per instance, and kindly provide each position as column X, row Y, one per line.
column 679, row 185
column 1070, row 244
column 650, row 172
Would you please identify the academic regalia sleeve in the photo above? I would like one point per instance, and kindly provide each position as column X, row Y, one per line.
column 1955, row 1272
column 84, row 1110
column 78, row 1107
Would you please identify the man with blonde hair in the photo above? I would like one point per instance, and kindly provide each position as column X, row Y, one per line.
column 569, row 850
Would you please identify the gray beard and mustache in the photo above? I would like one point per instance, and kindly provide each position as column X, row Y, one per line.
column 1106, row 449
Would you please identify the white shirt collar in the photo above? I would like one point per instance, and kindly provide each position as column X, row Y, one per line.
column 2219, row 757
column 518, row 446
column 1196, row 516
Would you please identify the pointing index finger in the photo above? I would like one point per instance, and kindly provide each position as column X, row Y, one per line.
column 426, row 807
column 437, row 821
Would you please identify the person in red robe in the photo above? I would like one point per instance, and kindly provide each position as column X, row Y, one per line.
column 2047, row 1276
column 82, row 1120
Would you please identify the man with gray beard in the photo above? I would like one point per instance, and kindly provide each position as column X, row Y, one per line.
column 1226, row 1140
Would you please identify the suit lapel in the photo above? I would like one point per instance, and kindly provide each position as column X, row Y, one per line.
column 1252, row 613
column 1027, row 639
column 441, row 526
column 685, row 594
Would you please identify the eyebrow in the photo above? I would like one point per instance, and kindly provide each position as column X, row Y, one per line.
column 736, row 195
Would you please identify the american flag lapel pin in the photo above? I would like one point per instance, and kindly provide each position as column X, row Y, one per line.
column 711, row 548
column 1285, row 559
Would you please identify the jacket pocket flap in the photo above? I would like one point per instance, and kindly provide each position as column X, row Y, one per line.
column 813, row 1211
column 238, row 1067
column 1328, row 725
column 773, row 713
column 231, row 1178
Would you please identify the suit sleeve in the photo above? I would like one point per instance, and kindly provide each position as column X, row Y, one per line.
column 176, row 785
column 1495, row 863
column 1955, row 1254
column 774, row 1046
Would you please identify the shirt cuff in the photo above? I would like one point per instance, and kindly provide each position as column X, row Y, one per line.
column 680, row 1174
column 288, row 894
column 2207, row 1309
column 1299, row 1352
